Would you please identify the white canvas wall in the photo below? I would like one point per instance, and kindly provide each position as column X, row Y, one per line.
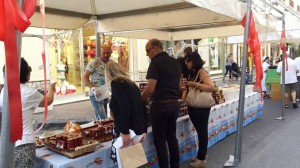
column 31, row 51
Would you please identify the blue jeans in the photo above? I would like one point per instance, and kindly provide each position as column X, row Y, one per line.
column 100, row 108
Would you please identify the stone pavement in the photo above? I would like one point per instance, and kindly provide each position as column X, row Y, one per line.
column 79, row 112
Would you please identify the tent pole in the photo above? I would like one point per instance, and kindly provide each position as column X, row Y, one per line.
column 7, row 147
column 252, row 70
column 236, row 159
column 223, row 59
column 283, row 76
column 171, row 47
column 283, row 60
column 97, row 34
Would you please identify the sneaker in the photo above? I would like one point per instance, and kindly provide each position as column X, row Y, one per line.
column 294, row 105
column 198, row 163
column 286, row 106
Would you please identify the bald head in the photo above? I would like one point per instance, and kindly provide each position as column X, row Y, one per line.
column 156, row 42
column 153, row 48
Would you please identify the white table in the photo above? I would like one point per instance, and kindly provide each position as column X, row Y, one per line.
column 222, row 122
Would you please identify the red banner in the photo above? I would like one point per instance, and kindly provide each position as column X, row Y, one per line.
column 42, row 10
column 283, row 48
column 12, row 18
column 254, row 44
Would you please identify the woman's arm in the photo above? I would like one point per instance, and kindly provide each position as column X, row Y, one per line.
column 206, row 85
column 50, row 95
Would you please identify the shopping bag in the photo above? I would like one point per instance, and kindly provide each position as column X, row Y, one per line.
column 133, row 156
column 130, row 153
column 102, row 92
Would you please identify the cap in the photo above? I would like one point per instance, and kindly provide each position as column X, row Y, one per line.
column 264, row 58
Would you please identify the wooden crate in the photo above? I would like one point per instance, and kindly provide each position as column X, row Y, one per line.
column 275, row 91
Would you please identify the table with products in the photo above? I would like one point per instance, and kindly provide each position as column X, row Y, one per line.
column 222, row 122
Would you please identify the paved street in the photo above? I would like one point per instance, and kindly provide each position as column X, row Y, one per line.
column 267, row 143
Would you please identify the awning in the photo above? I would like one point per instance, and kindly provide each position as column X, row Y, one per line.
column 181, row 19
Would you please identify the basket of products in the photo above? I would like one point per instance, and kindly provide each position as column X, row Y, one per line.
column 101, row 131
column 71, row 145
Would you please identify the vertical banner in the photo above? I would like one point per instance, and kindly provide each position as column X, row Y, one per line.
column 254, row 44
column 12, row 18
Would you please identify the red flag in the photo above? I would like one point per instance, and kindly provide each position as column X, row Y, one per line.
column 254, row 44
column 12, row 17
column 283, row 48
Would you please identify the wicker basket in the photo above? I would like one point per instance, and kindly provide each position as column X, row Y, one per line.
column 79, row 151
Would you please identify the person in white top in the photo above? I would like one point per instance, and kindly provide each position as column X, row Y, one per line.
column 297, row 60
column 290, row 80
column 31, row 99
column 265, row 67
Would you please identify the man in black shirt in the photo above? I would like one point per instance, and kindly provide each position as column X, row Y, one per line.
column 181, row 61
column 164, row 89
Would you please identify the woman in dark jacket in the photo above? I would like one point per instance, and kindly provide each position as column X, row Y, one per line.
column 126, row 104
column 199, row 116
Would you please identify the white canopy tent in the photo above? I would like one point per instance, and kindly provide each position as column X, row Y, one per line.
column 165, row 17
column 183, row 19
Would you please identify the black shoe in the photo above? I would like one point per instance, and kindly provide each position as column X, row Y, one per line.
column 294, row 105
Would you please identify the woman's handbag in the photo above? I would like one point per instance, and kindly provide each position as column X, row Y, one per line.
column 199, row 99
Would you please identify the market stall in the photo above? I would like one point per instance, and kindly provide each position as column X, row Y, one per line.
column 222, row 122
column 110, row 15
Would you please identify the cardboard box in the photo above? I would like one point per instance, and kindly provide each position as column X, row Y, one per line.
column 275, row 91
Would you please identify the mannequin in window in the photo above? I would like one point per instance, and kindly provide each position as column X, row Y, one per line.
column 115, row 56
column 65, row 62
column 61, row 69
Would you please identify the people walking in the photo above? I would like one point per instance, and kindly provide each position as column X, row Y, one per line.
column 265, row 68
column 229, row 61
column 297, row 60
column 290, row 80
column 181, row 60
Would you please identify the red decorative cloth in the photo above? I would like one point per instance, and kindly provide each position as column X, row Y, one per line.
column 283, row 48
column 11, row 18
column 254, row 44
column 42, row 11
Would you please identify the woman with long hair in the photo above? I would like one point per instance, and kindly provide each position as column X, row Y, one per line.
column 126, row 104
column 199, row 78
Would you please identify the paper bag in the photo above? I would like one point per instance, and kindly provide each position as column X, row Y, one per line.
column 133, row 156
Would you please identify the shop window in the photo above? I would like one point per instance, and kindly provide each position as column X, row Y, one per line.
column 120, row 50
column 65, row 62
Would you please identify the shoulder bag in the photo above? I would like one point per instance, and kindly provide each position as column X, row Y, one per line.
column 197, row 98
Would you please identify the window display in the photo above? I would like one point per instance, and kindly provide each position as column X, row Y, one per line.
column 120, row 50
column 65, row 62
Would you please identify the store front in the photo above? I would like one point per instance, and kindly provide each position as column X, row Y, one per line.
column 65, row 62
